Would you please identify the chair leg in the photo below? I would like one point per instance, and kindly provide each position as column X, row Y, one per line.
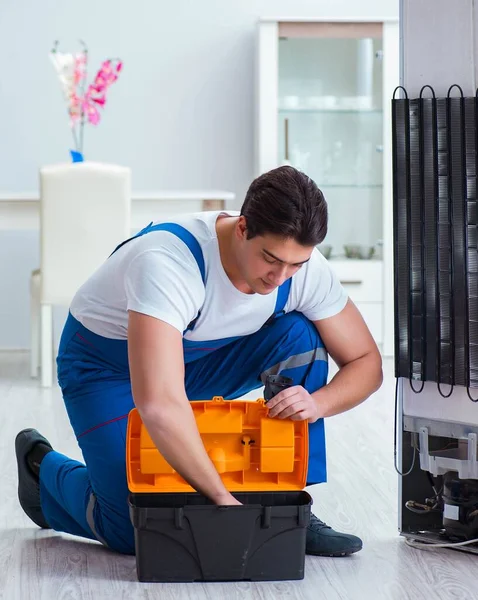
column 46, row 345
column 34, row 332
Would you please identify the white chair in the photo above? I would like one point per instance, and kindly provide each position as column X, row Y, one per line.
column 84, row 213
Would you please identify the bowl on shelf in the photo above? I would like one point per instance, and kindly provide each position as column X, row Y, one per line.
column 359, row 251
column 325, row 250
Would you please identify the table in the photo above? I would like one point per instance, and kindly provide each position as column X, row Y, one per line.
column 21, row 210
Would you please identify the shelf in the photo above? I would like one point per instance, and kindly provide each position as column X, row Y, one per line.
column 351, row 185
column 342, row 259
column 329, row 111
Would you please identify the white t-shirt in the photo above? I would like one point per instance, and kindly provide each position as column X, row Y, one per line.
column 157, row 275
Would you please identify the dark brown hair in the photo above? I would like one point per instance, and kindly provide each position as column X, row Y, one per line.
column 287, row 203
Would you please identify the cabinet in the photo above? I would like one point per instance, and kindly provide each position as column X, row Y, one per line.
column 362, row 280
column 323, row 105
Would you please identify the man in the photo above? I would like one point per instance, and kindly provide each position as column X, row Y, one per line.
column 207, row 305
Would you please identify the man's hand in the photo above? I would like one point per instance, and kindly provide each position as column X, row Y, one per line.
column 294, row 403
column 227, row 500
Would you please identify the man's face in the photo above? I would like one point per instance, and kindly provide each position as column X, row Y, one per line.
column 267, row 261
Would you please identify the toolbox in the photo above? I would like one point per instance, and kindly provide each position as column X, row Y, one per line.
column 180, row 535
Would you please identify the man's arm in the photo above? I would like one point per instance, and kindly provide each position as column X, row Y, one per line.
column 157, row 379
column 350, row 344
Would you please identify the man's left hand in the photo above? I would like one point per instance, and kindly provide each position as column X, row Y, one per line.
column 294, row 403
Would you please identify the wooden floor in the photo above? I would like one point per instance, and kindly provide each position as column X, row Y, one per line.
column 360, row 497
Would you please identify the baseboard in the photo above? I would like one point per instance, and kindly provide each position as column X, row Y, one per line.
column 19, row 350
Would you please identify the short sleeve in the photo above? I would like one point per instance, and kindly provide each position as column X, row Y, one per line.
column 316, row 290
column 165, row 283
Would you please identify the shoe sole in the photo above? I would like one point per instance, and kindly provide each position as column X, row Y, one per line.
column 29, row 500
column 335, row 554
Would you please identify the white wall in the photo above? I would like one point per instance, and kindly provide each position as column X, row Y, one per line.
column 181, row 114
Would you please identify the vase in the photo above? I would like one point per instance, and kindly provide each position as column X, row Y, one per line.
column 76, row 156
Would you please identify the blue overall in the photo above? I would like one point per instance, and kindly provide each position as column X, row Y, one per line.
column 93, row 373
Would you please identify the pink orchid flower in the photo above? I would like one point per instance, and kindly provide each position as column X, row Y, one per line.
column 83, row 106
column 96, row 92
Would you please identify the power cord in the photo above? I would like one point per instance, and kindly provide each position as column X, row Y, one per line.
column 432, row 545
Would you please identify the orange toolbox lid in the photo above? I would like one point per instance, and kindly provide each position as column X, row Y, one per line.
column 250, row 450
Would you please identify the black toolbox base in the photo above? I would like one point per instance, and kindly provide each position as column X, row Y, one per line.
column 184, row 537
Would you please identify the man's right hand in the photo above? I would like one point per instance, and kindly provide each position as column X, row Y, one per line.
column 157, row 380
column 226, row 499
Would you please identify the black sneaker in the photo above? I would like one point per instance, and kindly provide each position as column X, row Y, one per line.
column 28, row 480
column 322, row 540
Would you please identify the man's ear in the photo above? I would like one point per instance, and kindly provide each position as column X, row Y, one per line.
column 241, row 228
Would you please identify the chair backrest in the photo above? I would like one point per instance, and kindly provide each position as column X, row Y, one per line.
column 84, row 213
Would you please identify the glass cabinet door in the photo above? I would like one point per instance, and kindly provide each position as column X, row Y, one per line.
column 331, row 127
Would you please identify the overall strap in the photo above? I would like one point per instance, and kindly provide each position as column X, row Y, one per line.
column 281, row 301
column 185, row 236
column 282, row 296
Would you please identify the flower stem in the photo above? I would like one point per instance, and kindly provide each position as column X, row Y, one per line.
column 75, row 139
column 83, row 89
